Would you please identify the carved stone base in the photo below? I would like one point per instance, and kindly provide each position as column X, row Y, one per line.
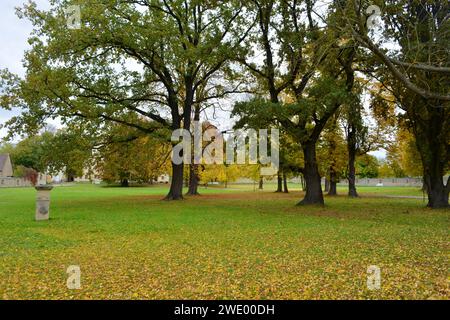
column 43, row 202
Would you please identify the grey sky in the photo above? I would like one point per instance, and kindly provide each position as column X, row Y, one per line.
column 13, row 37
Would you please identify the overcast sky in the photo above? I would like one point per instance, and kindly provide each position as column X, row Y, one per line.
column 13, row 38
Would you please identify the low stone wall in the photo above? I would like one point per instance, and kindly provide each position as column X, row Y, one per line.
column 400, row 182
column 9, row 182
column 386, row 182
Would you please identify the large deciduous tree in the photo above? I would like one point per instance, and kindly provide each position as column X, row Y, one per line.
column 416, row 70
column 145, row 57
column 293, row 48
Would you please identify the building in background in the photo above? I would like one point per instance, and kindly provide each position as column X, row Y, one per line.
column 6, row 169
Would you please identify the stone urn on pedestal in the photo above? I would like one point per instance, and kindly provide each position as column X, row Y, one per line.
column 43, row 202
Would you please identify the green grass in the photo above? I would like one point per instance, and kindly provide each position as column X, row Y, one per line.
column 342, row 189
column 230, row 244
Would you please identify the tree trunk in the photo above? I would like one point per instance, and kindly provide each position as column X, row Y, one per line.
column 124, row 183
column 193, row 180
column 351, row 146
column 327, row 185
column 302, row 182
column 436, row 190
column 70, row 177
column 176, row 186
column 261, row 183
column 432, row 143
column 314, row 193
column 332, row 191
column 279, row 182
column 285, row 186
column 433, row 176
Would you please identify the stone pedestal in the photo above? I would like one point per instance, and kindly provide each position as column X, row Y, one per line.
column 43, row 202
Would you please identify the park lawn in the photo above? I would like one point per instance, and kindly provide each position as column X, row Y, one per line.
column 341, row 189
column 229, row 244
